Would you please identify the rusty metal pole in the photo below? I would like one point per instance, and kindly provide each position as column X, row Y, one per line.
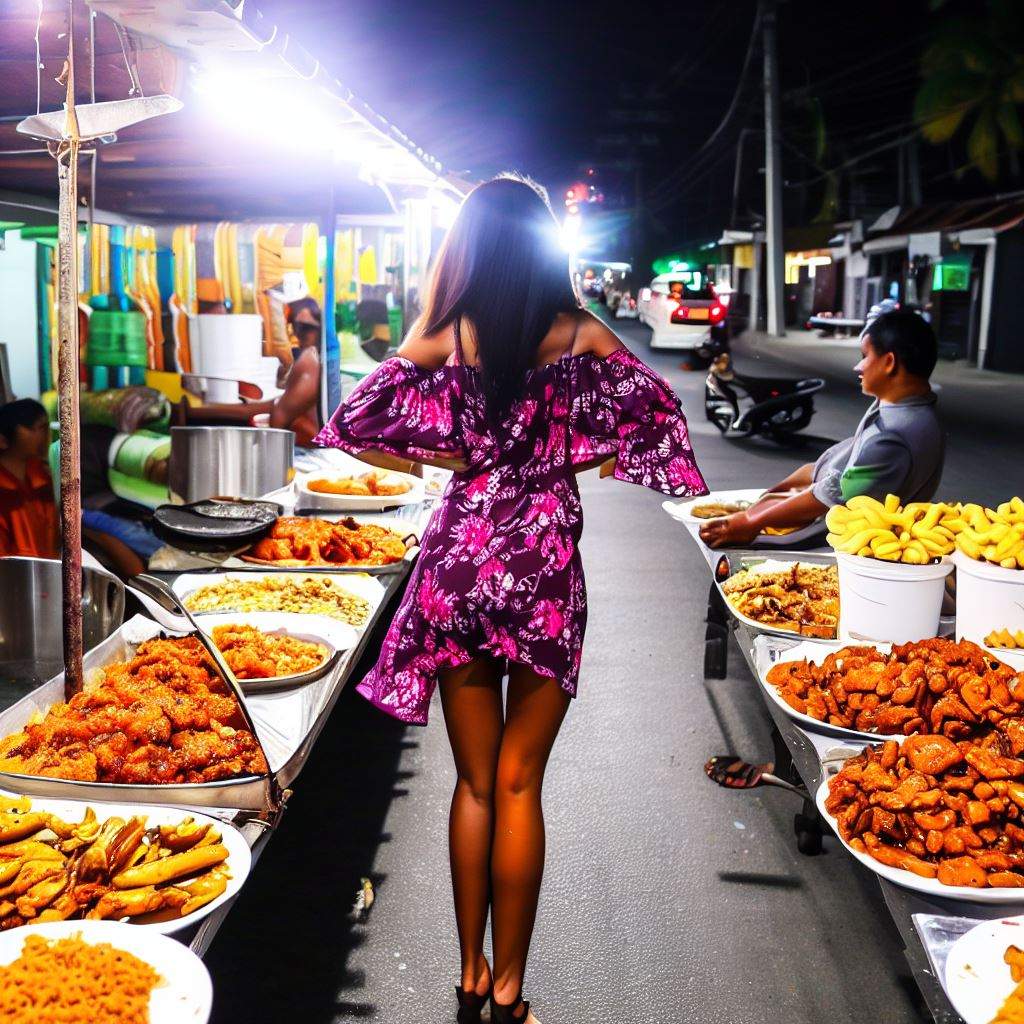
column 67, row 383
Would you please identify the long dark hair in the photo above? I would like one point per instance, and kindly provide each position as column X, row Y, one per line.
column 501, row 267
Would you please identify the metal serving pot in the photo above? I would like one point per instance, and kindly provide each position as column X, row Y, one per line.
column 31, row 618
column 230, row 462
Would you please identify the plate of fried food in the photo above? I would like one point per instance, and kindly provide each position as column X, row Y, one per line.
column 84, row 972
column 305, row 542
column 161, row 715
column 366, row 491
column 270, row 651
column 160, row 868
column 933, row 815
column 350, row 598
column 785, row 598
column 985, row 972
column 868, row 692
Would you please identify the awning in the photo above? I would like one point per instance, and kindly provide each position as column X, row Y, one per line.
column 266, row 131
column 887, row 243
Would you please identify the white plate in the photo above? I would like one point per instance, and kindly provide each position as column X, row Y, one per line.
column 307, row 498
column 683, row 510
column 977, row 979
column 361, row 585
column 185, row 997
column 334, row 634
column 816, row 652
column 770, row 563
column 239, row 856
column 908, row 880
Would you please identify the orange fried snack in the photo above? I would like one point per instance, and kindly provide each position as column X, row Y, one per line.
column 163, row 717
column 299, row 540
column 1012, row 1010
column 374, row 483
column 75, row 982
column 955, row 689
column 945, row 810
column 253, row 654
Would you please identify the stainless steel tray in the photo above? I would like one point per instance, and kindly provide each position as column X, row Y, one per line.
column 731, row 562
column 254, row 792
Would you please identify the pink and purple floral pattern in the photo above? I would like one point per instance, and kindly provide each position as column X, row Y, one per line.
column 499, row 569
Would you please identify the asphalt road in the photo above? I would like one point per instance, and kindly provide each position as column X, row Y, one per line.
column 666, row 899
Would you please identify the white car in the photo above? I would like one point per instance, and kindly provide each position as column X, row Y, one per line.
column 682, row 310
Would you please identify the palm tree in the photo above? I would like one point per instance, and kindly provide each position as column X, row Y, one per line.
column 973, row 84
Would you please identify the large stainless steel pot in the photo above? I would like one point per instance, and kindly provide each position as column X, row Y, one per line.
column 31, row 644
column 230, row 462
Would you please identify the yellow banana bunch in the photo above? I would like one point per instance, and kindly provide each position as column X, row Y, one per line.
column 994, row 535
column 916, row 533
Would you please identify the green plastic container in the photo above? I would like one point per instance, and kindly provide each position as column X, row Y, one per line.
column 117, row 339
column 395, row 325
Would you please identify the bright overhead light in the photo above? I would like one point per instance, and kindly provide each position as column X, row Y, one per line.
column 268, row 107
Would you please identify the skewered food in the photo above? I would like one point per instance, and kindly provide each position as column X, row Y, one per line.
column 931, row 686
column 52, row 870
column 376, row 484
column 253, row 654
column 163, row 717
column 1004, row 638
column 1012, row 1010
column 916, row 533
column 944, row 810
column 301, row 541
column 70, row 981
column 799, row 598
column 312, row 595
column 995, row 536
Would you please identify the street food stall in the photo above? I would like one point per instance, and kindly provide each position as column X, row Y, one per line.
column 142, row 782
column 895, row 720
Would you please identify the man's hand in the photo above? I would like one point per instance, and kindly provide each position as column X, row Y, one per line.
column 729, row 531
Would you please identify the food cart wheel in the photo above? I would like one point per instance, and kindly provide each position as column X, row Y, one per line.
column 807, row 827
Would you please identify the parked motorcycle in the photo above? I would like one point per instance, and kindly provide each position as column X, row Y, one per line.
column 772, row 406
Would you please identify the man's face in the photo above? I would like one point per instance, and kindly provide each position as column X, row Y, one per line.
column 33, row 441
column 307, row 333
column 874, row 370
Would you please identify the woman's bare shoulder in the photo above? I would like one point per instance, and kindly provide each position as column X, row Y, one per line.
column 428, row 351
column 595, row 337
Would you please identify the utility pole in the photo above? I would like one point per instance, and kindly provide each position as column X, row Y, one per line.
column 774, row 251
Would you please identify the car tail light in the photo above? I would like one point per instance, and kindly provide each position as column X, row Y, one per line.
column 680, row 315
column 717, row 313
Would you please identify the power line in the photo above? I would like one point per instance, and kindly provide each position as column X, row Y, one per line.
column 725, row 121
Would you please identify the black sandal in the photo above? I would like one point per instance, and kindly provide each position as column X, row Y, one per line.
column 471, row 1006
column 501, row 1014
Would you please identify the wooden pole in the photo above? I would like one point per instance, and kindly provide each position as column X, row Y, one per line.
column 67, row 382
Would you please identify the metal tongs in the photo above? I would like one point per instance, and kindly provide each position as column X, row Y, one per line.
column 163, row 603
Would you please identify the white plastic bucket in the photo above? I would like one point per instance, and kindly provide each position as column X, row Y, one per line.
column 889, row 602
column 225, row 345
column 988, row 597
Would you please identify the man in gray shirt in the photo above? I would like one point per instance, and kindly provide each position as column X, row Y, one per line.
column 899, row 447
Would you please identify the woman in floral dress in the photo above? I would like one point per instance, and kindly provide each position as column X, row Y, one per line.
column 506, row 380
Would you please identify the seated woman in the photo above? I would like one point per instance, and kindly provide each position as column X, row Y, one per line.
column 28, row 511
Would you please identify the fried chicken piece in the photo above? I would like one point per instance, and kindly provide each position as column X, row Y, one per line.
column 930, row 755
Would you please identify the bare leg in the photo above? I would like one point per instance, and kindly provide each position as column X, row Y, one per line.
column 471, row 698
column 536, row 707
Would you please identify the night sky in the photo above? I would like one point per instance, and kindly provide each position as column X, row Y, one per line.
column 529, row 85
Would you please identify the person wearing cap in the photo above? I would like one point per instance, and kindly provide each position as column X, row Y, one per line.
column 298, row 407
column 898, row 447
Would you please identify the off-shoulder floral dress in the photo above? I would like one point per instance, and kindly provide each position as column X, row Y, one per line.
column 499, row 570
